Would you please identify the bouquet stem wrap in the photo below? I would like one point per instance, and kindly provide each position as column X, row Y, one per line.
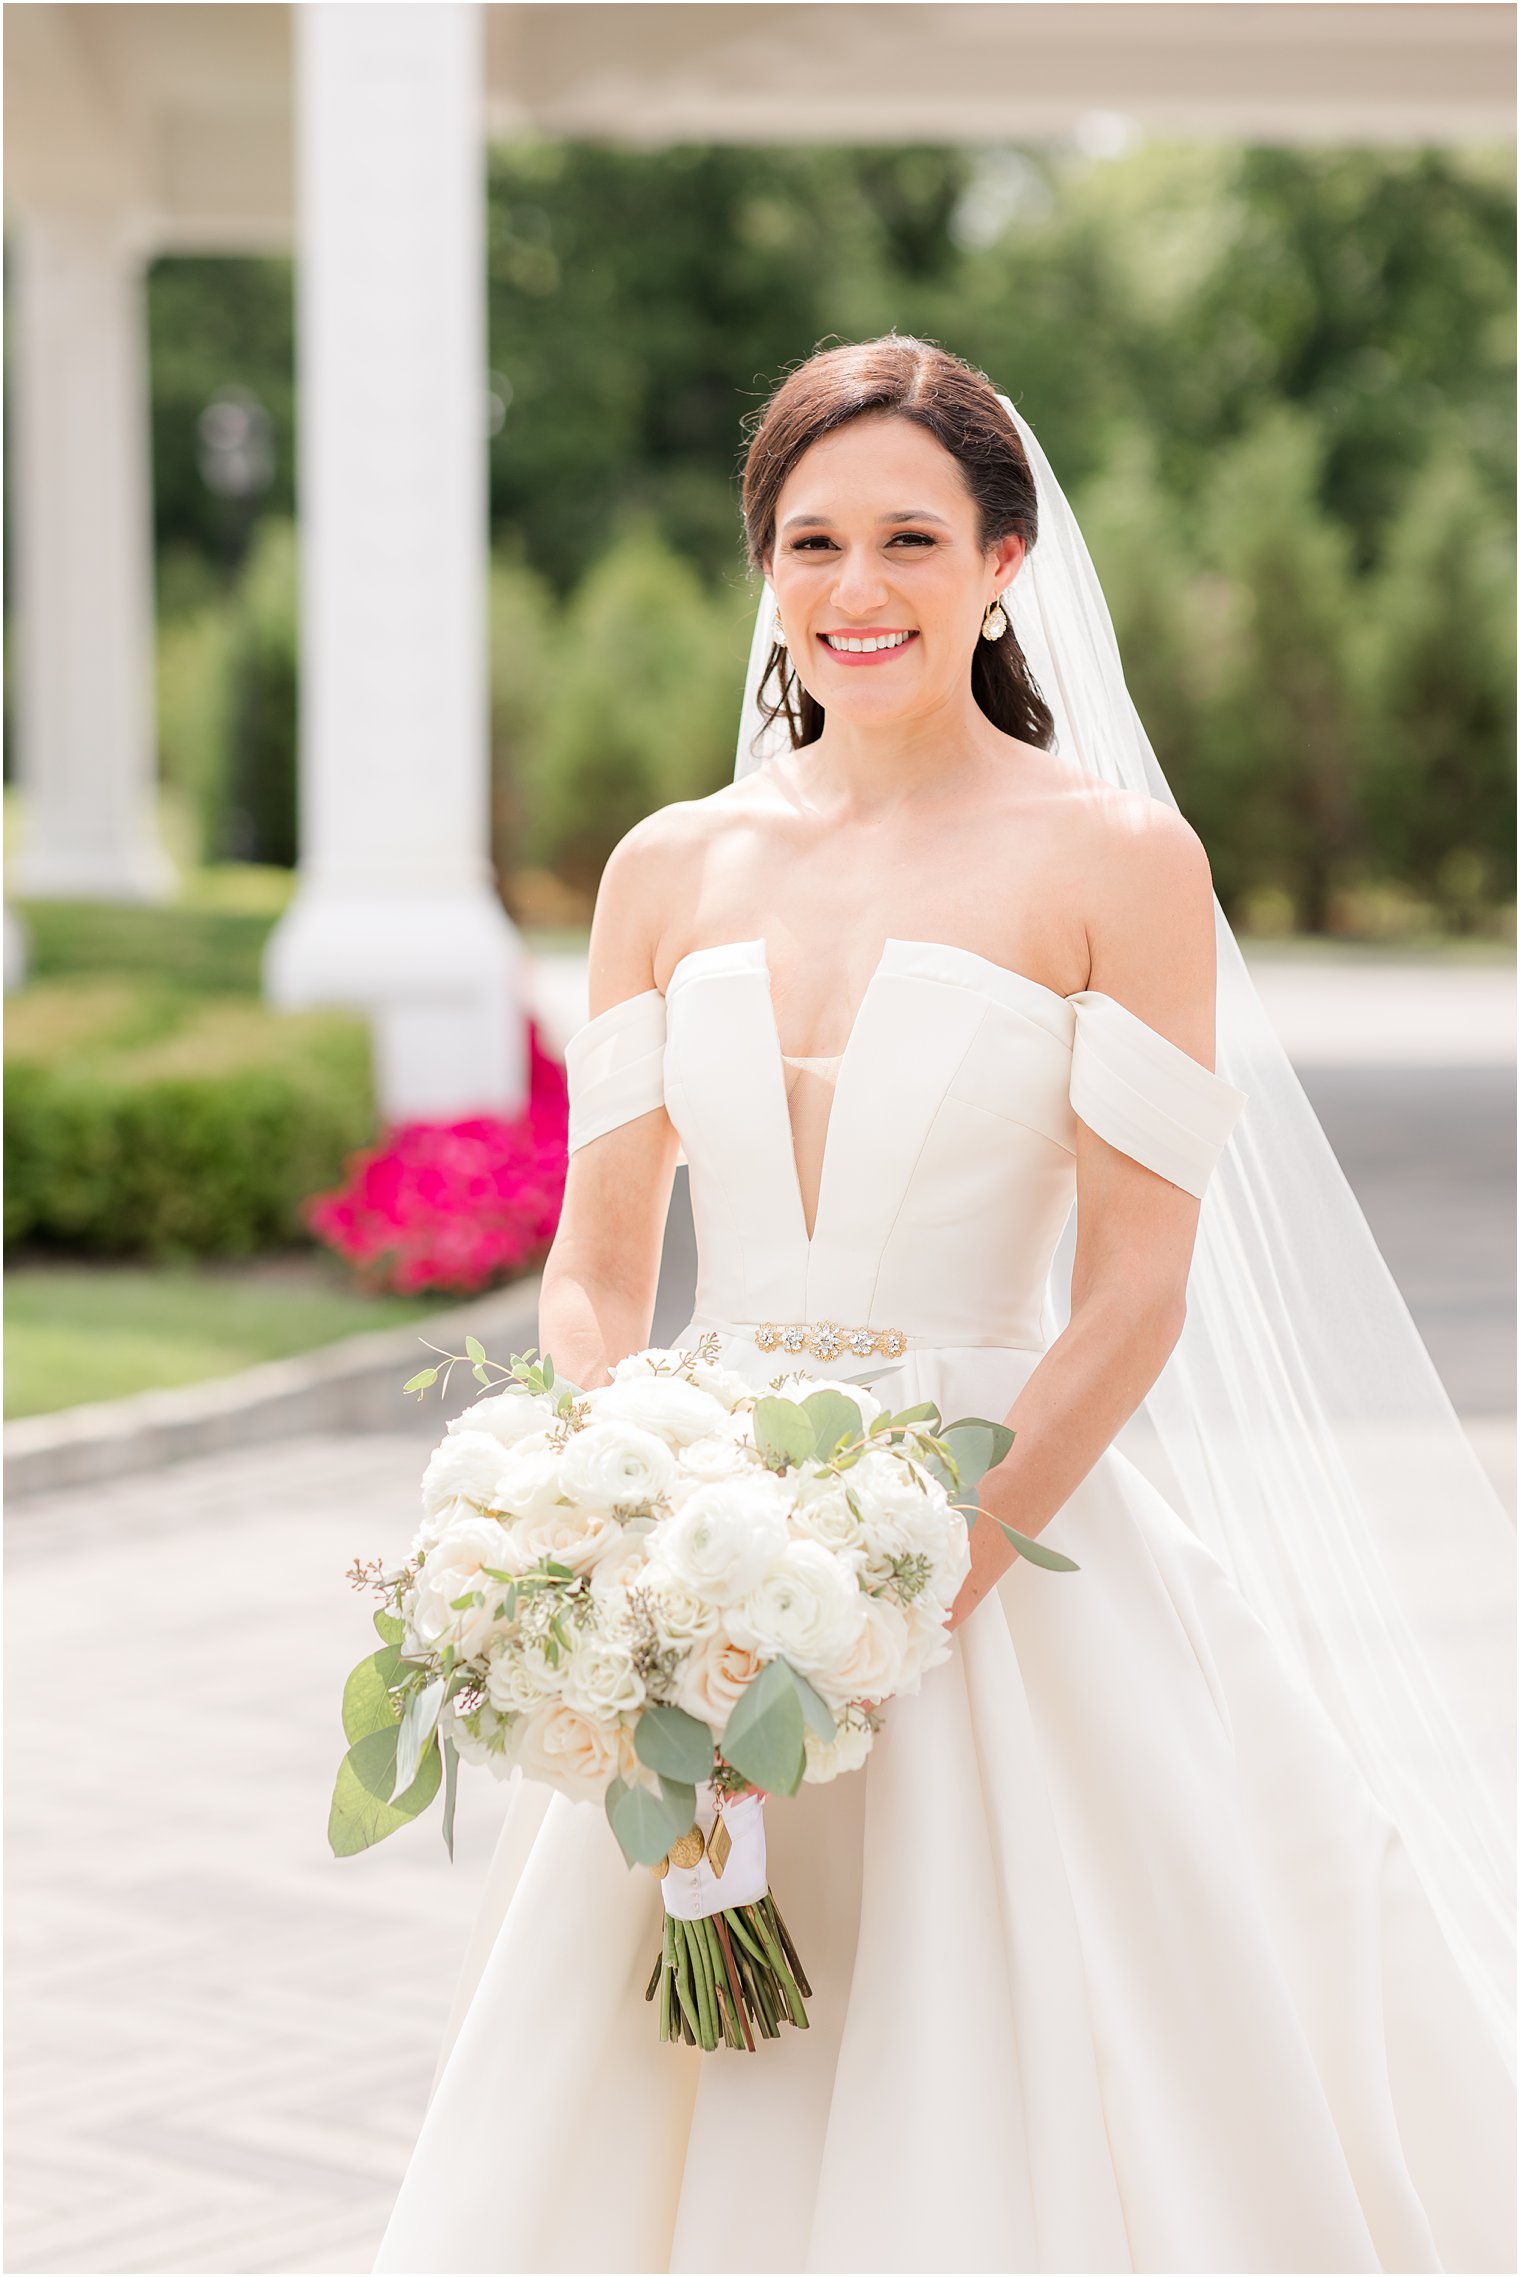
column 727, row 1968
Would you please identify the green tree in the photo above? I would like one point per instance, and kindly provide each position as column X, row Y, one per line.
column 1281, row 706
column 1437, row 674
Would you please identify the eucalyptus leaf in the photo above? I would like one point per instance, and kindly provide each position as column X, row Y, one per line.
column 389, row 1629
column 680, row 1798
column 450, row 1794
column 816, row 1710
column 373, row 1760
column 783, row 1432
column 418, row 1724
column 673, row 1743
column 367, row 1704
column 1038, row 1554
column 474, row 1347
column 358, row 1818
column 764, row 1736
column 976, row 1446
column 643, row 1821
column 423, row 1381
column 834, row 1417
column 925, row 1412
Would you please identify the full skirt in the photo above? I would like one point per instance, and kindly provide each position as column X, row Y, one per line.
column 1117, row 1965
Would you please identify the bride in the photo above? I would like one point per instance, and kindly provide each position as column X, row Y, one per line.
column 1167, row 1928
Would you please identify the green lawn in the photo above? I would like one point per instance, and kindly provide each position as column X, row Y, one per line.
column 84, row 1332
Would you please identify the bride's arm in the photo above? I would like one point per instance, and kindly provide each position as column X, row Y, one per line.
column 1152, row 950
column 602, row 1271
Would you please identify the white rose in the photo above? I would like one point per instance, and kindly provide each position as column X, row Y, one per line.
column 452, row 1569
column 567, row 1533
column 671, row 1408
column 527, row 1478
column 601, row 1680
column 626, row 1561
column 460, row 1482
column 616, row 1465
column 519, row 1677
column 724, row 1455
column 507, row 1416
column 491, row 1742
column 711, row 1678
column 830, row 1758
column 808, row 1610
column 569, row 1751
column 725, row 1384
column 681, row 1614
column 875, row 1664
column 725, row 1536
column 822, row 1514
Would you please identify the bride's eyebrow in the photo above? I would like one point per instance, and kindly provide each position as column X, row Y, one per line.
column 904, row 514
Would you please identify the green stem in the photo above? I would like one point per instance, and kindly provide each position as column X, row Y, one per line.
column 783, row 1974
column 667, row 1972
column 787, row 1946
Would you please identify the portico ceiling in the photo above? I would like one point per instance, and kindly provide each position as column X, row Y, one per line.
column 180, row 115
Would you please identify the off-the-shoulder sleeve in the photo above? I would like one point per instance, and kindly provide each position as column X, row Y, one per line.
column 615, row 1066
column 1147, row 1096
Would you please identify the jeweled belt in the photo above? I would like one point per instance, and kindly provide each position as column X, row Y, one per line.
column 828, row 1340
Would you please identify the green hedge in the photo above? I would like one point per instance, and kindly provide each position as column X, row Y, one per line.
column 143, row 1122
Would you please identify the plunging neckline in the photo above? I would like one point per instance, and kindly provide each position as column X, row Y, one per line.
column 776, row 1067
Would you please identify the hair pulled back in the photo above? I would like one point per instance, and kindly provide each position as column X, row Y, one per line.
column 959, row 406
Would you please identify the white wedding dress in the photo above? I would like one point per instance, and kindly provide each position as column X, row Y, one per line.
column 1118, row 1964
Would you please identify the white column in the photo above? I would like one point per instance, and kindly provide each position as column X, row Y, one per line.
column 396, row 910
column 84, row 564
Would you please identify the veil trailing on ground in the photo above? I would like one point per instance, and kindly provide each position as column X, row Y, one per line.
column 1300, row 1426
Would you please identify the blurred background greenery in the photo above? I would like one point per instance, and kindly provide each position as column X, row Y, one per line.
column 1277, row 383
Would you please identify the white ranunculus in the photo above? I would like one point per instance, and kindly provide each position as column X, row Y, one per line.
column 461, row 1481
column 568, row 1533
column 681, row 1614
column 873, row 1667
column 518, row 1677
column 507, row 1416
column 671, row 1408
column 723, row 1383
column 527, row 1478
column 601, row 1680
column 906, row 1513
column 491, row 1742
column 830, row 1758
column 807, row 1609
column 725, row 1536
column 569, row 1751
column 711, row 1678
column 615, row 1465
column 452, row 1569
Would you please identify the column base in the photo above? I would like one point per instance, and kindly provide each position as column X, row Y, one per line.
column 81, row 873
column 441, row 980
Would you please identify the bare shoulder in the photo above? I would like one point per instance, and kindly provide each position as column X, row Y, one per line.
column 1150, row 914
column 650, row 871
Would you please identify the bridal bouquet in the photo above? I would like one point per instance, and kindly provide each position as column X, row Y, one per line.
column 674, row 1595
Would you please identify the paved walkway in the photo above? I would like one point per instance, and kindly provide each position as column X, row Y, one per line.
column 219, row 2038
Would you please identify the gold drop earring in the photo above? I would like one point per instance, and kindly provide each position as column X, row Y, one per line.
column 995, row 623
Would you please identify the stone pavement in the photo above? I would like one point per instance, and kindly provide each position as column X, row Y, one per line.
column 219, row 2038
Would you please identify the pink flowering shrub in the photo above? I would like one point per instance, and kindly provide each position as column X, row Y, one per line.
column 455, row 1207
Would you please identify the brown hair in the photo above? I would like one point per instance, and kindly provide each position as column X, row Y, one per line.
column 959, row 406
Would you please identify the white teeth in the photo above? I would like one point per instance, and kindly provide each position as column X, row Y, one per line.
column 869, row 645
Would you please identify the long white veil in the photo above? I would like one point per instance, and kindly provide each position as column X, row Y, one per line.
column 1301, row 1425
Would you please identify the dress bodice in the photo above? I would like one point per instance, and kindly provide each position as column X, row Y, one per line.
column 946, row 1163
